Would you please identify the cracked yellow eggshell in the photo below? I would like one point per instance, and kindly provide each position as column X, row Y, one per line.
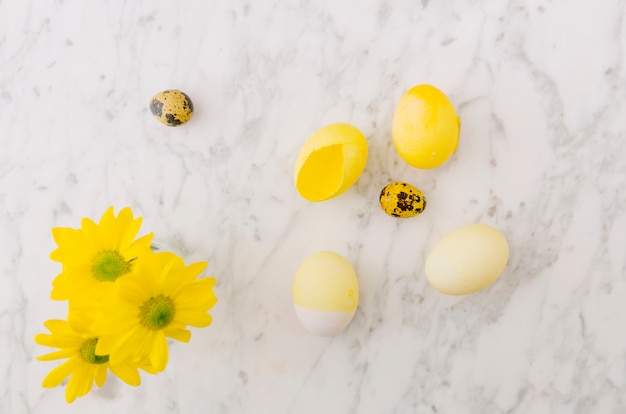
column 330, row 162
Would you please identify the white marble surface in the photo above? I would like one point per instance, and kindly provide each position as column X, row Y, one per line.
column 540, row 87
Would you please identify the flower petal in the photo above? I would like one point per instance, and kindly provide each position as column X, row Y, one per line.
column 184, row 277
column 68, row 241
column 159, row 354
column 182, row 335
column 130, row 291
column 58, row 374
column 76, row 283
column 109, row 227
column 197, row 295
column 62, row 354
column 112, row 346
column 127, row 373
column 138, row 248
column 193, row 318
column 130, row 228
column 59, row 338
column 101, row 374
column 80, row 382
column 92, row 234
column 145, row 343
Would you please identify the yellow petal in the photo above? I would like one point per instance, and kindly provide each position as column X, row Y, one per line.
column 144, row 343
column 109, row 229
column 92, row 233
column 159, row 354
column 147, row 275
column 139, row 247
column 197, row 295
column 193, row 318
column 62, row 354
column 58, row 374
column 330, row 162
column 60, row 338
column 59, row 287
column 109, row 214
column 182, row 335
column 118, row 319
column 145, row 366
column 183, row 277
column 101, row 374
column 80, row 316
column 112, row 345
column 80, row 382
column 77, row 282
column 46, row 340
column 130, row 291
column 127, row 373
column 62, row 234
column 69, row 241
column 54, row 325
column 130, row 232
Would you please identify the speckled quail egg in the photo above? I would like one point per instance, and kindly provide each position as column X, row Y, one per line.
column 402, row 200
column 171, row 107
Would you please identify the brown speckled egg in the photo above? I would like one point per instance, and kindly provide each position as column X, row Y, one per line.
column 171, row 107
column 402, row 200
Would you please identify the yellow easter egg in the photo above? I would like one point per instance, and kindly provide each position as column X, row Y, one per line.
column 330, row 162
column 425, row 127
column 467, row 260
column 325, row 293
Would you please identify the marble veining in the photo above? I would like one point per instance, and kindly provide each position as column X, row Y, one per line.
column 541, row 90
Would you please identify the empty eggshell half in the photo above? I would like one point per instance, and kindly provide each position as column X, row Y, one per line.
column 330, row 162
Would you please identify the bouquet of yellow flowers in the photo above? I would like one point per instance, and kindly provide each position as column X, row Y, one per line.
column 124, row 300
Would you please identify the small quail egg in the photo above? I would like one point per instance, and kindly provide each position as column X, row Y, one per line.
column 402, row 200
column 171, row 107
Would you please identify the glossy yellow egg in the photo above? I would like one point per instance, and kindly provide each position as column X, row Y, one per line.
column 325, row 293
column 467, row 260
column 171, row 107
column 402, row 200
column 330, row 162
column 425, row 127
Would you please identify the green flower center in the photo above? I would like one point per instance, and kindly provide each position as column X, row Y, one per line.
column 157, row 312
column 88, row 352
column 109, row 265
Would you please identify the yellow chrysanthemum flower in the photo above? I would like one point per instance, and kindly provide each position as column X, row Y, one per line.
column 96, row 254
column 83, row 366
column 156, row 302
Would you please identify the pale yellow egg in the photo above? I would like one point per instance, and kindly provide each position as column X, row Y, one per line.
column 467, row 260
